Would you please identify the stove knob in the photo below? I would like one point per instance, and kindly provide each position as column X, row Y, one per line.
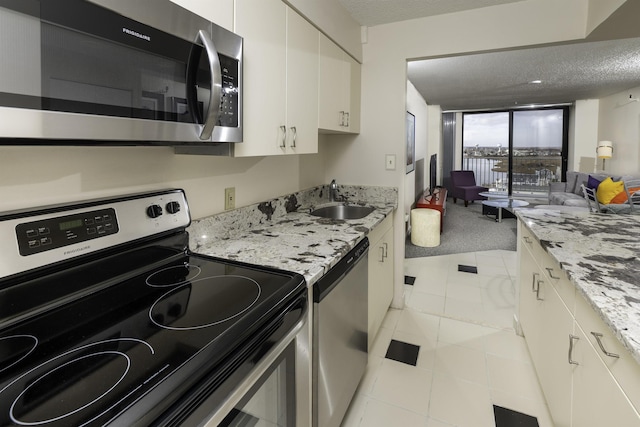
column 173, row 207
column 154, row 211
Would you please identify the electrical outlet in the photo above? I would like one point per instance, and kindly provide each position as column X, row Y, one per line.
column 390, row 162
column 229, row 198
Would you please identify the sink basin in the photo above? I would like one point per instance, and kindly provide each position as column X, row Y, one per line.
column 343, row 211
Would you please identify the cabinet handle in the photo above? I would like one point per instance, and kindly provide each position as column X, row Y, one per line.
column 284, row 136
column 341, row 118
column 598, row 339
column 386, row 249
column 381, row 254
column 347, row 116
column 295, row 136
column 527, row 239
column 550, row 271
column 533, row 282
column 571, row 339
column 538, row 291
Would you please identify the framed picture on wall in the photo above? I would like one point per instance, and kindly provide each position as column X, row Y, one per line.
column 411, row 142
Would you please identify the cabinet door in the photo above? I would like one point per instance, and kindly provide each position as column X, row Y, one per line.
column 302, row 85
column 354, row 96
column 218, row 11
column 598, row 400
column 334, row 86
column 554, row 371
column 529, row 276
column 380, row 280
column 620, row 362
column 263, row 25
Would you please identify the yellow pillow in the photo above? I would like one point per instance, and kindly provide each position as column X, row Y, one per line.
column 608, row 189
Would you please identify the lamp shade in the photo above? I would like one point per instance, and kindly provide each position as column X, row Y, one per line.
column 605, row 149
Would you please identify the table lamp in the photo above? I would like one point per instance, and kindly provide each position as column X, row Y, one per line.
column 604, row 151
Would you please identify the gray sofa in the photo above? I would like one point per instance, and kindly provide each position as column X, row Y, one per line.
column 570, row 193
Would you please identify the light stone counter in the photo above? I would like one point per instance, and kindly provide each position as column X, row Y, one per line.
column 280, row 233
column 599, row 253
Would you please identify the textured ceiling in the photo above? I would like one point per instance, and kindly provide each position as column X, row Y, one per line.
column 502, row 79
column 376, row 12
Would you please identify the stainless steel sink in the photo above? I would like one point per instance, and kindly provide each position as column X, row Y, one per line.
column 343, row 211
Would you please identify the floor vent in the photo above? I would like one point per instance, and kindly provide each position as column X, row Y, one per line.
column 507, row 418
column 468, row 269
column 403, row 352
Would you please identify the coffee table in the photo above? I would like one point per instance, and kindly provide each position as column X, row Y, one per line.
column 494, row 194
column 507, row 204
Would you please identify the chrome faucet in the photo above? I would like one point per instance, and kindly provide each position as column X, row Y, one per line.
column 333, row 191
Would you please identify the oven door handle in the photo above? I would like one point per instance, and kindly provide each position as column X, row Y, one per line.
column 216, row 86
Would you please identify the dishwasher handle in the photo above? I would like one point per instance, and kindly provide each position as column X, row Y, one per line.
column 331, row 279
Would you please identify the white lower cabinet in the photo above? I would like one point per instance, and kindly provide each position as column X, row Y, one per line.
column 575, row 375
column 598, row 400
column 546, row 324
column 380, row 274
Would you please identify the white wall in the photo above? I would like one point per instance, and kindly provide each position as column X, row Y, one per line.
column 417, row 106
column 599, row 11
column 435, row 143
column 583, row 135
column 619, row 122
column 32, row 176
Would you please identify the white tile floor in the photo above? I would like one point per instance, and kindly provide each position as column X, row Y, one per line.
column 470, row 357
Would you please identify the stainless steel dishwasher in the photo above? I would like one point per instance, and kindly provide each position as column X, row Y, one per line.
column 340, row 305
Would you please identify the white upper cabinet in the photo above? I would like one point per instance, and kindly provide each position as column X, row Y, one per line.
column 218, row 11
column 339, row 89
column 302, row 85
column 280, row 80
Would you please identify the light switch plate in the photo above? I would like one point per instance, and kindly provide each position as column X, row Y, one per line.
column 390, row 162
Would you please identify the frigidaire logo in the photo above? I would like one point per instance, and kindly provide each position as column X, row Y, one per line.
column 136, row 34
column 75, row 251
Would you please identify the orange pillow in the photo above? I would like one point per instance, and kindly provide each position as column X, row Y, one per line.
column 621, row 197
column 608, row 189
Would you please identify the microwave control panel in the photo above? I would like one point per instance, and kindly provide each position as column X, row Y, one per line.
column 44, row 235
column 229, row 113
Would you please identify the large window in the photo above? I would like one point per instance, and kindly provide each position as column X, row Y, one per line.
column 519, row 151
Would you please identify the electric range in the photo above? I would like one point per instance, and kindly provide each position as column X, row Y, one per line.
column 107, row 318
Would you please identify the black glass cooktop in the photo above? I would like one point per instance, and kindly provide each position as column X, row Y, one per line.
column 142, row 338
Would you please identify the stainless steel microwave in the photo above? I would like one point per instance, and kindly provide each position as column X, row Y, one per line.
column 116, row 71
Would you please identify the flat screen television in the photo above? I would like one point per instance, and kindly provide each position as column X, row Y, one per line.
column 433, row 173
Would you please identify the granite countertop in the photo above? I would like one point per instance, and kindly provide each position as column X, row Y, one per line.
column 280, row 233
column 599, row 253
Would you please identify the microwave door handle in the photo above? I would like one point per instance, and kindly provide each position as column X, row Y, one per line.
column 216, row 86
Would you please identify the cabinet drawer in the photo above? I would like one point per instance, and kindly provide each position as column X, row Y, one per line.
column 558, row 279
column 553, row 274
column 625, row 369
column 379, row 230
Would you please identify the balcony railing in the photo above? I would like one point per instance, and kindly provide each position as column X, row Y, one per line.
column 531, row 174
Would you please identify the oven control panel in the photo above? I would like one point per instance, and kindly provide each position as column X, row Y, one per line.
column 41, row 236
column 52, row 233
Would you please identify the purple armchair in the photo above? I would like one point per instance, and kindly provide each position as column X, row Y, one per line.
column 463, row 186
